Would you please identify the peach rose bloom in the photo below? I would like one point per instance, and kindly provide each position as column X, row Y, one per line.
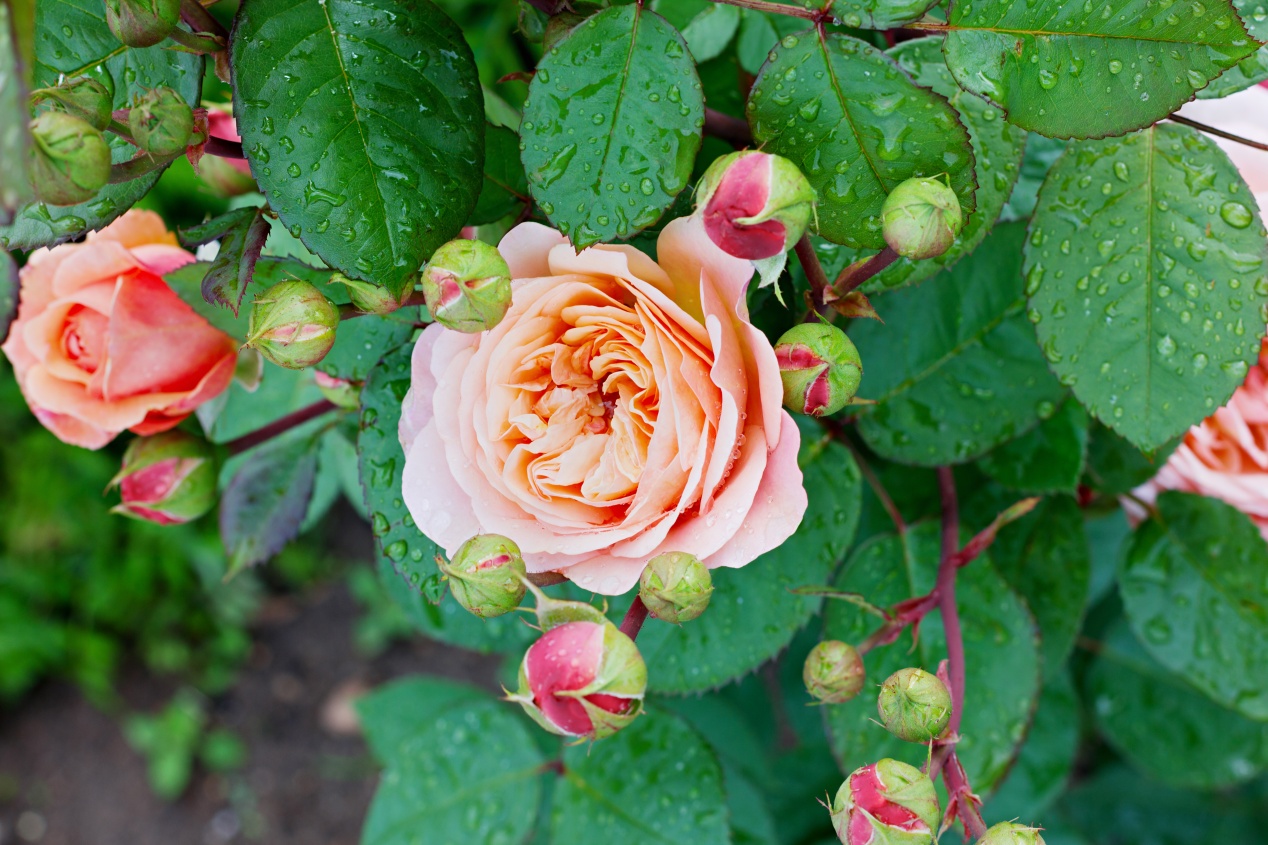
column 102, row 344
column 622, row 408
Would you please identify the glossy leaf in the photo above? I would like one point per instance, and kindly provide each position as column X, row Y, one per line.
column 8, row 292
column 997, row 154
column 654, row 781
column 954, row 369
column 361, row 342
column 856, row 125
column 1115, row 466
column 1043, row 766
column 72, row 39
column 1002, row 658
column 264, row 505
column 1088, row 70
column 242, row 233
column 1147, row 272
column 707, row 27
column 15, row 188
column 1194, row 591
column 1255, row 15
column 612, row 125
column 752, row 615
column 363, row 124
column 505, row 188
column 1049, row 459
column 878, row 14
column 1249, row 71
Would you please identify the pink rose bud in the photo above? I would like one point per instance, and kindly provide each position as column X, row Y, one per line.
column 755, row 205
column 487, row 575
column 70, row 160
column 820, row 369
column 293, row 324
column 1011, row 833
column 675, row 586
column 921, row 218
column 161, row 122
column 346, row 394
column 142, row 23
column 914, row 705
column 367, row 297
column 84, row 97
column 583, row 679
column 168, row 478
column 833, row 672
column 467, row 286
column 886, row 802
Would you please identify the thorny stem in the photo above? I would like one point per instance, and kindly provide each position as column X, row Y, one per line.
column 1211, row 130
column 634, row 618
column 254, row 438
column 730, row 129
column 775, row 8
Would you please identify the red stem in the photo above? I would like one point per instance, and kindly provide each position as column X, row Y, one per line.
column 634, row 618
column 254, row 438
column 730, row 129
column 223, row 147
column 856, row 274
column 775, row 8
column 1211, row 130
column 814, row 272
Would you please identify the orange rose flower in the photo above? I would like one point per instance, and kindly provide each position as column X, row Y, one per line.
column 102, row 344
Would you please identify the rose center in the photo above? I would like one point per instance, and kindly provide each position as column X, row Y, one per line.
column 84, row 337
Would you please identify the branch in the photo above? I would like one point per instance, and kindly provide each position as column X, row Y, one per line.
column 814, row 274
column 634, row 618
column 860, row 271
column 1211, row 130
column 223, row 147
column 730, row 129
column 254, row 438
column 774, row 8
column 200, row 20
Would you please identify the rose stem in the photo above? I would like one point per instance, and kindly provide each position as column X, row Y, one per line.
column 254, row 438
column 730, row 129
column 774, row 8
column 634, row 618
column 223, row 147
column 1259, row 145
column 856, row 274
column 814, row 274
column 347, row 311
column 200, row 20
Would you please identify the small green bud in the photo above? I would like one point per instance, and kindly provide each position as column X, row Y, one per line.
column 921, row 218
column 70, row 160
column 755, row 205
column 675, row 587
column 367, row 297
column 142, row 23
column 486, row 575
column 914, row 705
column 1011, row 833
column 161, row 122
column 167, row 478
column 84, row 97
column 292, row 324
column 833, row 672
column 820, row 368
column 467, row 285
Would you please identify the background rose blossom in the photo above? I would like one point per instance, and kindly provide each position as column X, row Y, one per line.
column 102, row 344
column 623, row 408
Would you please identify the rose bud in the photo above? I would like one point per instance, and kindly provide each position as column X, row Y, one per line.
column 833, row 672
column 142, row 23
column 467, row 286
column 914, row 705
column 921, row 218
column 70, row 160
column 551, row 612
column 583, row 679
column 486, row 575
column 755, row 205
column 675, row 586
column 84, row 97
column 345, row 394
column 1011, row 833
column 886, row 802
column 293, row 324
column 820, row 368
column 161, row 122
column 167, row 478
column 367, row 297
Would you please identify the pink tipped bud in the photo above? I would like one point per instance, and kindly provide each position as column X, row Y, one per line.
column 886, row 802
column 168, row 478
column 921, row 218
column 486, row 575
column 467, row 286
column 346, row 394
column 820, row 369
column 755, row 205
column 142, row 23
column 1011, row 833
column 293, row 324
column 833, row 672
column 583, row 679
column 676, row 587
column 914, row 705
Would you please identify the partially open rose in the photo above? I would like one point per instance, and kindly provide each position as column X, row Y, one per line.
column 102, row 344
column 621, row 409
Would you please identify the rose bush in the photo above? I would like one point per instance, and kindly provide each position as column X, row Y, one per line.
column 102, row 344
column 623, row 408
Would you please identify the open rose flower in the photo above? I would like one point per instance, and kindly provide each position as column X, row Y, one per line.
column 621, row 409
column 102, row 344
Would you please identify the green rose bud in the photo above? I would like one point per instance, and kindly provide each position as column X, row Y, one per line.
column 293, row 324
column 161, row 122
column 820, row 368
column 921, row 218
column 755, row 205
column 886, row 803
column 1011, row 833
column 84, row 97
column 486, row 575
column 914, row 705
column 366, row 296
column 70, row 160
column 467, row 286
column 675, row 587
column 142, row 23
column 833, row 672
column 167, row 478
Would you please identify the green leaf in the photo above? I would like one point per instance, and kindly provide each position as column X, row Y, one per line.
column 461, row 767
column 1249, row 71
column 71, row 38
column 1194, row 591
column 752, row 615
column 1049, row 459
column 856, row 125
column 1115, row 466
column 15, row 188
column 1040, row 154
column 1138, row 703
column 1088, row 70
column 242, row 233
column 879, row 14
column 505, row 187
column 954, row 369
column 1043, row 767
column 264, row 505
column 8, row 292
column 361, row 342
column 1145, row 269
column 364, row 126
column 654, row 782
column 1002, row 657
column 707, row 27
column 1255, row 15
column 612, row 125
column 997, row 155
